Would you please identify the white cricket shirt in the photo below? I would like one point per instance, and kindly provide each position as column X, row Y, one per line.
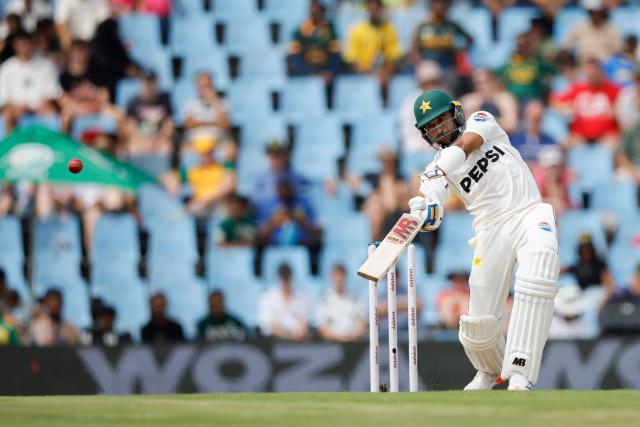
column 494, row 182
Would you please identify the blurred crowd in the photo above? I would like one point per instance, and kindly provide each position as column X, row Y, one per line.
column 63, row 64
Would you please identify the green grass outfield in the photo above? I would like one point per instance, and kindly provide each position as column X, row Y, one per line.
column 496, row 408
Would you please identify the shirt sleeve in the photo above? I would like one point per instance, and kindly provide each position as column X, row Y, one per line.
column 484, row 124
column 62, row 11
column 351, row 50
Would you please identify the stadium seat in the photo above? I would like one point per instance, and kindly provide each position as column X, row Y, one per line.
column 491, row 56
column 131, row 302
column 261, row 130
column 357, row 96
column 457, row 229
column 565, row 20
column 103, row 122
column 242, row 298
column 288, row 14
column 11, row 253
column 297, row 257
column 321, row 131
column 352, row 229
column 266, row 66
column 246, row 35
column 155, row 164
column 157, row 60
column 172, row 252
column 329, row 206
column 126, row 90
column 303, row 97
column 625, row 19
column 371, row 135
column 187, row 7
column 592, row 164
column 414, row 163
column 349, row 256
column 50, row 121
column 182, row 92
column 456, row 257
column 400, row 88
column 234, row 10
column 155, row 204
column 115, row 252
column 474, row 20
column 191, row 34
column 318, row 143
column 624, row 255
column 75, row 307
column 405, row 21
column 571, row 226
column 248, row 99
column 555, row 126
column 140, row 30
column 226, row 265
column 187, row 304
column 427, row 291
column 214, row 62
column 617, row 198
column 515, row 20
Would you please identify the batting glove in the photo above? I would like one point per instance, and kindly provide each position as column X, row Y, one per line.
column 430, row 211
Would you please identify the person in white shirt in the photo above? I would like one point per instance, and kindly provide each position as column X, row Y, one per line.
column 476, row 161
column 340, row 316
column 28, row 83
column 283, row 312
column 78, row 19
column 568, row 321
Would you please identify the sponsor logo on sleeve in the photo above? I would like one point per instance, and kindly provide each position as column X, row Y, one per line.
column 544, row 226
column 480, row 117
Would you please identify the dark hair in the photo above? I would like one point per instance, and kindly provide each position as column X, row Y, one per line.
column 53, row 292
column 22, row 34
column 107, row 310
column 3, row 275
column 284, row 271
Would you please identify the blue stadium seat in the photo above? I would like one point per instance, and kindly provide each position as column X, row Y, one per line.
column 187, row 7
column 491, row 56
column 155, row 204
column 571, row 226
column 234, row 10
column 187, row 304
column 625, row 19
column 248, row 99
column 261, row 130
column 289, row 14
column 50, row 121
column 226, row 265
column 515, row 20
column 157, row 60
column 356, row 97
column 617, row 198
column 476, row 21
column 267, row 66
column 297, row 257
column 58, row 252
column 353, row 229
column 624, row 256
column 140, row 30
column 457, row 229
column 75, row 307
column 322, row 130
column 565, row 20
column 329, row 206
column 555, row 125
column 172, row 253
column 346, row 18
column 405, row 21
column 126, row 90
column 102, row 122
column 319, row 144
column 454, row 257
column 593, row 164
column 115, row 252
column 182, row 93
column 11, row 253
column 214, row 62
column 155, row 164
column 242, row 298
column 400, row 88
column 428, row 290
column 351, row 257
column 191, row 34
column 414, row 163
column 246, row 35
column 131, row 302
column 303, row 97
column 370, row 135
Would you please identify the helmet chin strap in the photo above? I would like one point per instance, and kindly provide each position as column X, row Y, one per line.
column 440, row 143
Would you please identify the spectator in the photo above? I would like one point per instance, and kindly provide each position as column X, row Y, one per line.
column 390, row 194
column 591, row 105
column 30, row 12
column 28, row 84
column 47, row 327
column 78, row 19
column 453, row 302
column 541, row 33
column 103, row 332
column 628, row 105
column 10, row 27
column 47, row 42
column 239, row 226
column 8, row 334
column 569, row 322
column 282, row 312
column 441, row 40
column 314, row 47
column 160, row 328
column 553, row 178
column 526, row 76
column 149, row 122
column 489, row 95
column 109, row 59
column 15, row 313
column 210, row 181
column 289, row 219
column 7, row 199
column 628, row 157
column 373, row 45
column 621, row 314
column 265, row 186
column 428, row 76
column 340, row 316
column 622, row 67
column 590, row 270
column 207, row 114
column 530, row 139
column 218, row 324
column 596, row 37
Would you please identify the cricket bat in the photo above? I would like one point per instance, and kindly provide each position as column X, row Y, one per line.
column 390, row 249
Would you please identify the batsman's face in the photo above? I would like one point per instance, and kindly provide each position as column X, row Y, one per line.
column 441, row 126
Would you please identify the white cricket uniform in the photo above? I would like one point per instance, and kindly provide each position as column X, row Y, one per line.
column 509, row 219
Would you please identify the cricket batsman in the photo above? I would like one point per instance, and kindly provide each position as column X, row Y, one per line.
column 476, row 161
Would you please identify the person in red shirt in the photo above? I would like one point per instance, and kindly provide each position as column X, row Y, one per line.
column 591, row 105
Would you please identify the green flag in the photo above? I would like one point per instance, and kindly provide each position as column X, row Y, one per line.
column 39, row 154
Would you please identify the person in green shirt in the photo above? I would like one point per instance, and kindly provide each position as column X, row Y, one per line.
column 628, row 157
column 239, row 227
column 8, row 334
column 218, row 324
column 526, row 76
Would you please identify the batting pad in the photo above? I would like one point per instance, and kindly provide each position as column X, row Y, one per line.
column 532, row 312
column 483, row 342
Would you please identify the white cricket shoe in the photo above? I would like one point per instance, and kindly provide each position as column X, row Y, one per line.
column 482, row 381
column 519, row 382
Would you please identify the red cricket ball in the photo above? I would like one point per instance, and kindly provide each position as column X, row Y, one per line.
column 75, row 165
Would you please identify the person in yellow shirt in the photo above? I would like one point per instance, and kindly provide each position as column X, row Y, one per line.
column 210, row 181
column 373, row 45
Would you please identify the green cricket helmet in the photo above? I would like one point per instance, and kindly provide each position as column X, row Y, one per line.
column 429, row 106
